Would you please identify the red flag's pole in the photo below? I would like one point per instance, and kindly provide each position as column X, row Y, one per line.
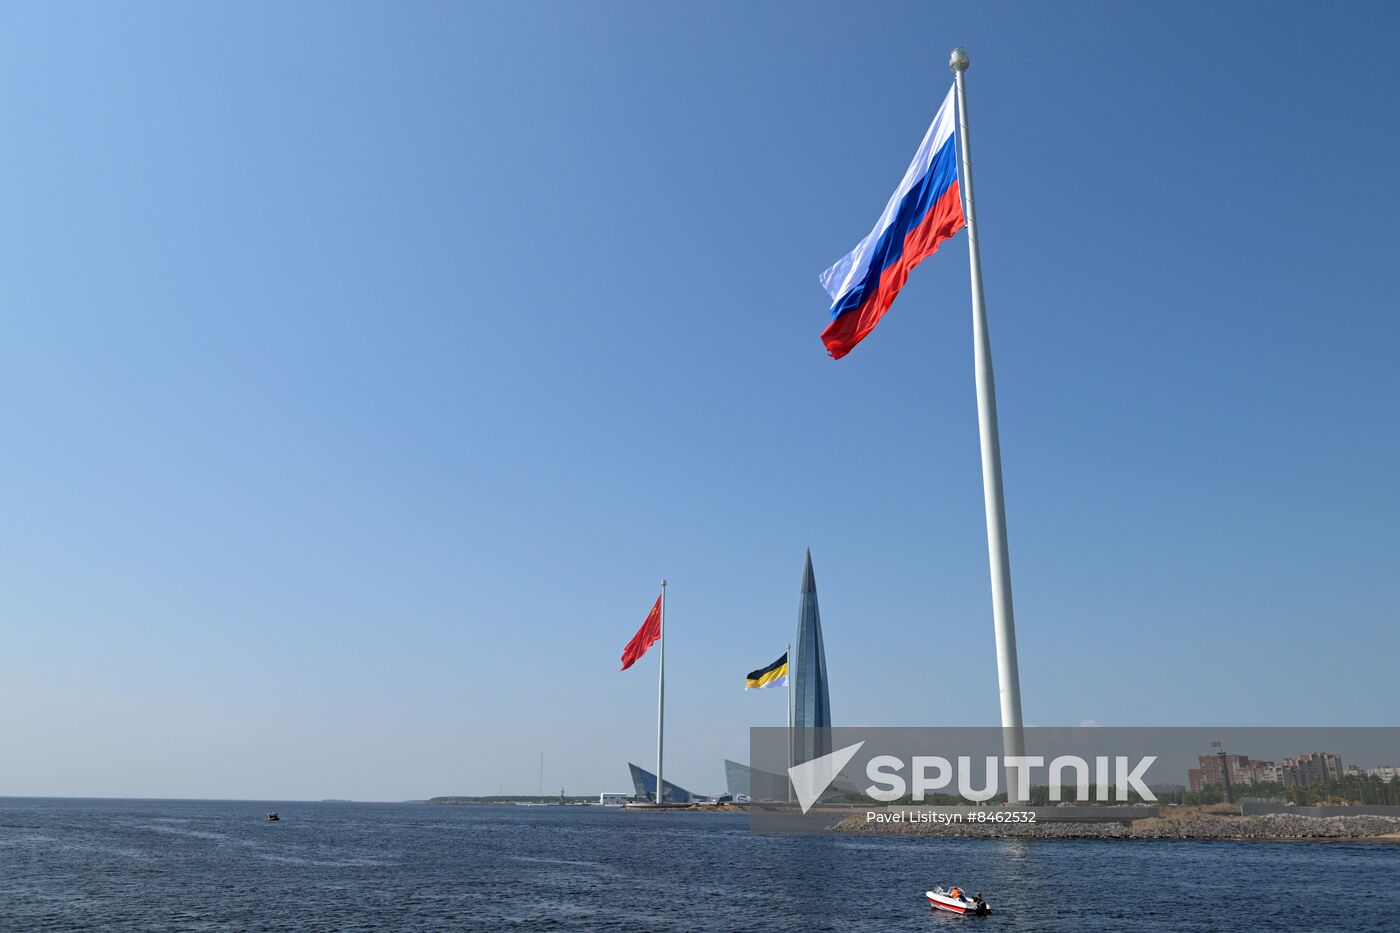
column 661, row 703
column 1004, row 618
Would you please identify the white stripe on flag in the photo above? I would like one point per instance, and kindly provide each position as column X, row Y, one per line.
column 852, row 267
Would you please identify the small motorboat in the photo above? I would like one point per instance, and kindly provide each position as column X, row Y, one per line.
column 273, row 817
column 955, row 901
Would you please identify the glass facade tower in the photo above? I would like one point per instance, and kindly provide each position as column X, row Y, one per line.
column 811, row 700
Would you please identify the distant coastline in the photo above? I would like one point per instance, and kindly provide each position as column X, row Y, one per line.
column 520, row 800
column 511, row 799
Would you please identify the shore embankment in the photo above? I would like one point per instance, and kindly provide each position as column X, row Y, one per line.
column 1185, row 823
column 690, row 808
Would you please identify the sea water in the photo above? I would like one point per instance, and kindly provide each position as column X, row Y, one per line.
column 153, row 865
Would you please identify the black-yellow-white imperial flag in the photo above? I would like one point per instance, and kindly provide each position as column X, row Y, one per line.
column 774, row 675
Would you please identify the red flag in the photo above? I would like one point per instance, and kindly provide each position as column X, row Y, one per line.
column 646, row 637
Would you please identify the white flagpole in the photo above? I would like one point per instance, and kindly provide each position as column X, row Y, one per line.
column 661, row 702
column 788, row 655
column 1008, row 677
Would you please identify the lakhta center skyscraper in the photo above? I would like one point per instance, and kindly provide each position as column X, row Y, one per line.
column 811, row 699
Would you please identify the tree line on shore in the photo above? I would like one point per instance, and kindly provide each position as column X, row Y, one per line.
column 1352, row 789
column 1366, row 789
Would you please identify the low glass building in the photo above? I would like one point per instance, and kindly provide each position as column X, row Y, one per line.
column 736, row 779
column 644, row 783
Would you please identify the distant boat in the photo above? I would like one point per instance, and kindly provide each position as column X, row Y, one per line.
column 273, row 817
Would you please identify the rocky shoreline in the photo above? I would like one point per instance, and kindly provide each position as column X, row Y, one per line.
column 1188, row 825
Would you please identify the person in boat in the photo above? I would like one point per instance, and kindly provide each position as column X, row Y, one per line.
column 956, row 892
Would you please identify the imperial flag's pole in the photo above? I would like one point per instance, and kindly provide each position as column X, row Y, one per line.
column 788, row 654
column 1008, row 677
column 661, row 702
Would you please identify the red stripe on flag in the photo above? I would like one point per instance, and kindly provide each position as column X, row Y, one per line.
column 943, row 220
column 646, row 637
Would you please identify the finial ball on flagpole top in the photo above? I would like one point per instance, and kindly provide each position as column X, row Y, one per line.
column 958, row 60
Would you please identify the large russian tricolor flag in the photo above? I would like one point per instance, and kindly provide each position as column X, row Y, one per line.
column 924, row 211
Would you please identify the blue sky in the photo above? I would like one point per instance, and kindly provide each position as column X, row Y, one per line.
column 363, row 368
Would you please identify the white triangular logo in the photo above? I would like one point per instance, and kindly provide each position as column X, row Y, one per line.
column 811, row 778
